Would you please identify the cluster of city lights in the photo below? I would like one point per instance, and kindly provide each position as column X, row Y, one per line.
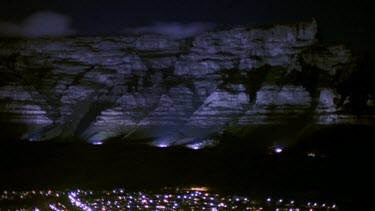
column 198, row 198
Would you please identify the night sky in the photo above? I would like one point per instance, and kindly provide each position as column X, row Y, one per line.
column 340, row 21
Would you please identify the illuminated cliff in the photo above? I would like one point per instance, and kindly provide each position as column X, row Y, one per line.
column 100, row 87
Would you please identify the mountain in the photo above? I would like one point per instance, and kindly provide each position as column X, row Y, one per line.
column 155, row 86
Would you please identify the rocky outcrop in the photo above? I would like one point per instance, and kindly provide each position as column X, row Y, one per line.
column 99, row 87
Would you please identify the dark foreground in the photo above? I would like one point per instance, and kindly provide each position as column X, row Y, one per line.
column 330, row 164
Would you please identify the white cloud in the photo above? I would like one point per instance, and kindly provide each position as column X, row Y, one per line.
column 37, row 25
column 172, row 29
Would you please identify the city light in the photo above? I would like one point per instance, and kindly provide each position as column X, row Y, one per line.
column 193, row 198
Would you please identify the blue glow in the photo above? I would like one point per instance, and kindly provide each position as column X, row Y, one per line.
column 278, row 150
column 162, row 145
column 195, row 146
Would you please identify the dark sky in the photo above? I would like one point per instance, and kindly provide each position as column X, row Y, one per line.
column 340, row 21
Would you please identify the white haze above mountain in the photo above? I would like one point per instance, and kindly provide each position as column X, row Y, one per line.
column 52, row 24
column 39, row 24
column 174, row 29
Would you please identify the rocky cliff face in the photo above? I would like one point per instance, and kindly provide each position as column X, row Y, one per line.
column 100, row 87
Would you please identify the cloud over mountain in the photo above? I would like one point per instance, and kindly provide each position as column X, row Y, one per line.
column 174, row 29
column 39, row 24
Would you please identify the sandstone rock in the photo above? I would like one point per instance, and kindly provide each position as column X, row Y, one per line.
column 219, row 108
column 286, row 95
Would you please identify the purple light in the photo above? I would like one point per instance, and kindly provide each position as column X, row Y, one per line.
column 162, row 145
column 278, row 150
